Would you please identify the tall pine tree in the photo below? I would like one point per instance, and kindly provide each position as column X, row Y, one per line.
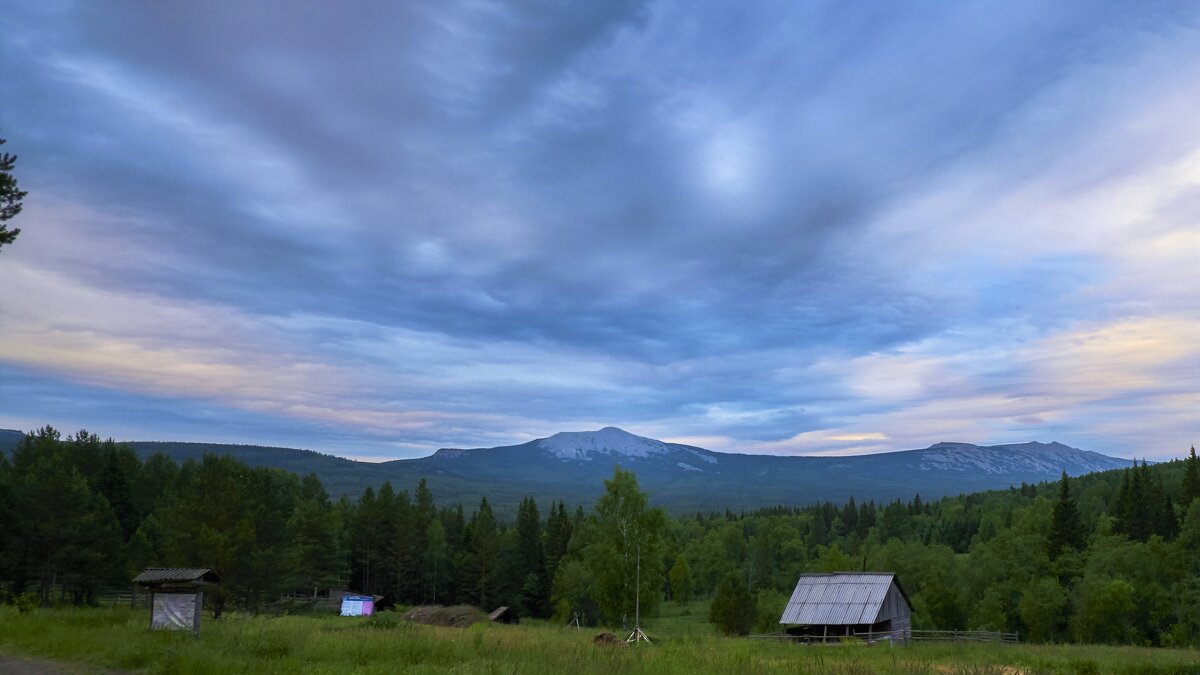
column 10, row 197
column 482, row 555
column 1191, row 480
column 1066, row 529
column 558, row 536
column 531, row 562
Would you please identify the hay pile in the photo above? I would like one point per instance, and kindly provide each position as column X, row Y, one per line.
column 608, row 640
column 458, row 616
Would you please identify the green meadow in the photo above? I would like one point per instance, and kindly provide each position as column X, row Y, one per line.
column 117, row 639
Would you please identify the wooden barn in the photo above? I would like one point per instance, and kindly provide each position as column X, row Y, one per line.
column 867, row 605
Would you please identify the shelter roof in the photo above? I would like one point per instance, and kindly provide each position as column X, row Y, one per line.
column 839, row 598
column 153, row 576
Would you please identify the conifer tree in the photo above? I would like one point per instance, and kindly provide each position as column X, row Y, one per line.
column 317, row 531
column 388, row 536
column 483, row 553
column 558, row 536
column 10, row 197
column 850, row 515
column 1066, row 529
column 437, row 555
column 1191, row 480
column 423, row 512
column 1162, row 512
column 531, row 563
column 1132, row 509
column 366, row 541
column 119, row 473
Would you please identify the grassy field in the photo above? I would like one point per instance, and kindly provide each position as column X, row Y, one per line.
column 117, row 638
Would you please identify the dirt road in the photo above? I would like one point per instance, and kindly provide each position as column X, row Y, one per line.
column 19, row 665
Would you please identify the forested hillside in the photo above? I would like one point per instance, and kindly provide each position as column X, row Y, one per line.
column 1109, row 557
column 682, row 478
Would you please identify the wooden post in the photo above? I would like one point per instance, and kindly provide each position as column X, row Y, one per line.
column 196, row 614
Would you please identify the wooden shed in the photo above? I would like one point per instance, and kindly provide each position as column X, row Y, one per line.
column 869, row 605
column 176, row 595
column 504, row 614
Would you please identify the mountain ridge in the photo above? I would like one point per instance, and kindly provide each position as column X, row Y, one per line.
column 572, row 465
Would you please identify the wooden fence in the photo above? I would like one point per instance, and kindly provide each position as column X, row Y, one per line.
column 896, row 637
column 965, row 636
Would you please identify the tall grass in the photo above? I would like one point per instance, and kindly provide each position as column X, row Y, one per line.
column 118, row 638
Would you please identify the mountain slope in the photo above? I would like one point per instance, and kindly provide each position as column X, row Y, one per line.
column 573, row 465
column 685, row 477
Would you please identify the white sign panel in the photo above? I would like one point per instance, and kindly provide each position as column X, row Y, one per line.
column 173, row 611
column 358, row 605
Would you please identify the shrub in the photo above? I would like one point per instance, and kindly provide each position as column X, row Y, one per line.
column 733, row 609
column 27, row 601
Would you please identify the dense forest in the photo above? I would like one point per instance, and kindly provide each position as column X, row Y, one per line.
column 1111, row 557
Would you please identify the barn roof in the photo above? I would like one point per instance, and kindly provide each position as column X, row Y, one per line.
column 839, row 598
column 168, row 575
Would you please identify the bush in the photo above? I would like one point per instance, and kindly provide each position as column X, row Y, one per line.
column 733, row 609
column 386, row 620
column 770, row 607
column 28, row 601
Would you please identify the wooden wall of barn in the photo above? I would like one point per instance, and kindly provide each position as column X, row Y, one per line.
column 895, row 608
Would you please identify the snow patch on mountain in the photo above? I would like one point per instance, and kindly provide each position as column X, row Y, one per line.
column 583, row 445
column 704, row 457
column 1023, row 457
column 687, row 467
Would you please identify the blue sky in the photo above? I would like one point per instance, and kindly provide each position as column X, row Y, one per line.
column 779, row 227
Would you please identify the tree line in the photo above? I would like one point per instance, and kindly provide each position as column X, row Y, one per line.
column 1109, row 557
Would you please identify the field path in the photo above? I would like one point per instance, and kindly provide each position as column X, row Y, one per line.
column 19, row 665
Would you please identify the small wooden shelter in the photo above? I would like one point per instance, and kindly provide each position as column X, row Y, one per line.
column 176, row 595
column 867, row 605
column 504, row 614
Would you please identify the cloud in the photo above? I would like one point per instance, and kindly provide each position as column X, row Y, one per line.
column 783, row 229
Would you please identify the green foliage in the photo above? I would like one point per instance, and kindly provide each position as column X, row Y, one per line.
column 682, row 585
column 832, row 559
column 78, row 515
column 317, row 529
column 27, row 601
column 1191, row 479
column 483, row 553
column 1043, row 610
column 1142, row 506
column 1066, row 530
column 769, row 605
column 10, row 197
column 624, row 553
column 574, row 592
column 530, row 560
column 1105, row 613
column 235, row 520
column 437, row 557
column 733, row 609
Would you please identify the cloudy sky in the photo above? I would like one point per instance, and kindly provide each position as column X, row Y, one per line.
column 376, row 229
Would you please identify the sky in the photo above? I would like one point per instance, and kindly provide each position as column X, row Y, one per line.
column 377, row 229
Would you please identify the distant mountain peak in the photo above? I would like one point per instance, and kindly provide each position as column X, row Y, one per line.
column 1032, row 456
column 608, row 441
